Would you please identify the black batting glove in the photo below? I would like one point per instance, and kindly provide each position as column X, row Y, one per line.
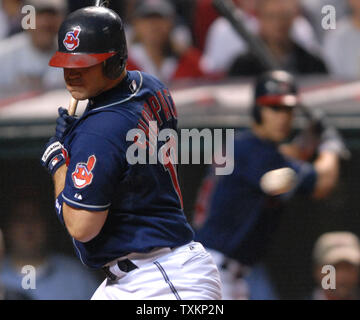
column 63, row 124
column 332, row 141
column 53, row 156
column 330, row 138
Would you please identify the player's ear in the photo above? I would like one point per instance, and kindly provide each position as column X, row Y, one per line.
column 256, row 113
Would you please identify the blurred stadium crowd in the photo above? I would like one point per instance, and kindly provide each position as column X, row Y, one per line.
column 177, row 41
column 188, row 40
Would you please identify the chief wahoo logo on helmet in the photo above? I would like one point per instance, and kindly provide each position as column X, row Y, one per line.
column 71, row 40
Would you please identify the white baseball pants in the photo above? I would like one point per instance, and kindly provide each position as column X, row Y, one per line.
column 184, row 273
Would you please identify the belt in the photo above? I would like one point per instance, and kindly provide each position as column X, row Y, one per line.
column 123, row 265
column 118, row 268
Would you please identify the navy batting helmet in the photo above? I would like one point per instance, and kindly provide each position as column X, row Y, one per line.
column 274, row 89
column 90, row 36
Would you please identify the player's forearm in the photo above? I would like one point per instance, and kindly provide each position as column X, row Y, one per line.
column 327, row 167
column 291, row 150
column 303, row 146
column 83, row 225
column 59, row 180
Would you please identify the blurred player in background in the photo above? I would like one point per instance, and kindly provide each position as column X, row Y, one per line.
column 245, row 207
column 124, row 218
column 342, row 251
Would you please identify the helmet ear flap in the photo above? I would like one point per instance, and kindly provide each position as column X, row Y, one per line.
column 114, row 66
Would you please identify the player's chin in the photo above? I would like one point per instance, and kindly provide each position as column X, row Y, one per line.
column 78, row 93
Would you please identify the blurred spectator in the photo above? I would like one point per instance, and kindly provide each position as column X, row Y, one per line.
column 223, row 43
column 313, row 11
column 342, row 45
column 203, row 17
column 10, row 17
column 77, row 4
column 185, row 10
column 342, row 251
column 222, row 35
column 57, row 276
column 6, row 293
column 156, row 49
column 24, row 57
column 276, row 19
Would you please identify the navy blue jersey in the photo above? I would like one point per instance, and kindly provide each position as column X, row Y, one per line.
column 240, row 214
column 144, row 200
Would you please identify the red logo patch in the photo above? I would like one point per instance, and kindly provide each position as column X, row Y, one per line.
column 82, row 176
column 72, row 41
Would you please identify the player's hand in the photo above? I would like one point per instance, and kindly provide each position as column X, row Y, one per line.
column 54, row 156
column 307, row 142
column 63, row 124
column 332, row 141
column 318, row 123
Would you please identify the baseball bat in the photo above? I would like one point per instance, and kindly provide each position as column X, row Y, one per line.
column 74, row 102
column 233, row 14
column 229, row 11
column 72, row 106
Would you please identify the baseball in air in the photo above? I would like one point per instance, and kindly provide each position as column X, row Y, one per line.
column 278, row 181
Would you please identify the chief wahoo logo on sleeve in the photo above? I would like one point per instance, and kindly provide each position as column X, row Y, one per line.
column 72, row 41
column 83, row 176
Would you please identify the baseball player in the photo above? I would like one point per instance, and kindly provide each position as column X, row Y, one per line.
column 244, row 208
column 125, row 218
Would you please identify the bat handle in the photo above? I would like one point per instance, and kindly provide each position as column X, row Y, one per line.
column 72, row 106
